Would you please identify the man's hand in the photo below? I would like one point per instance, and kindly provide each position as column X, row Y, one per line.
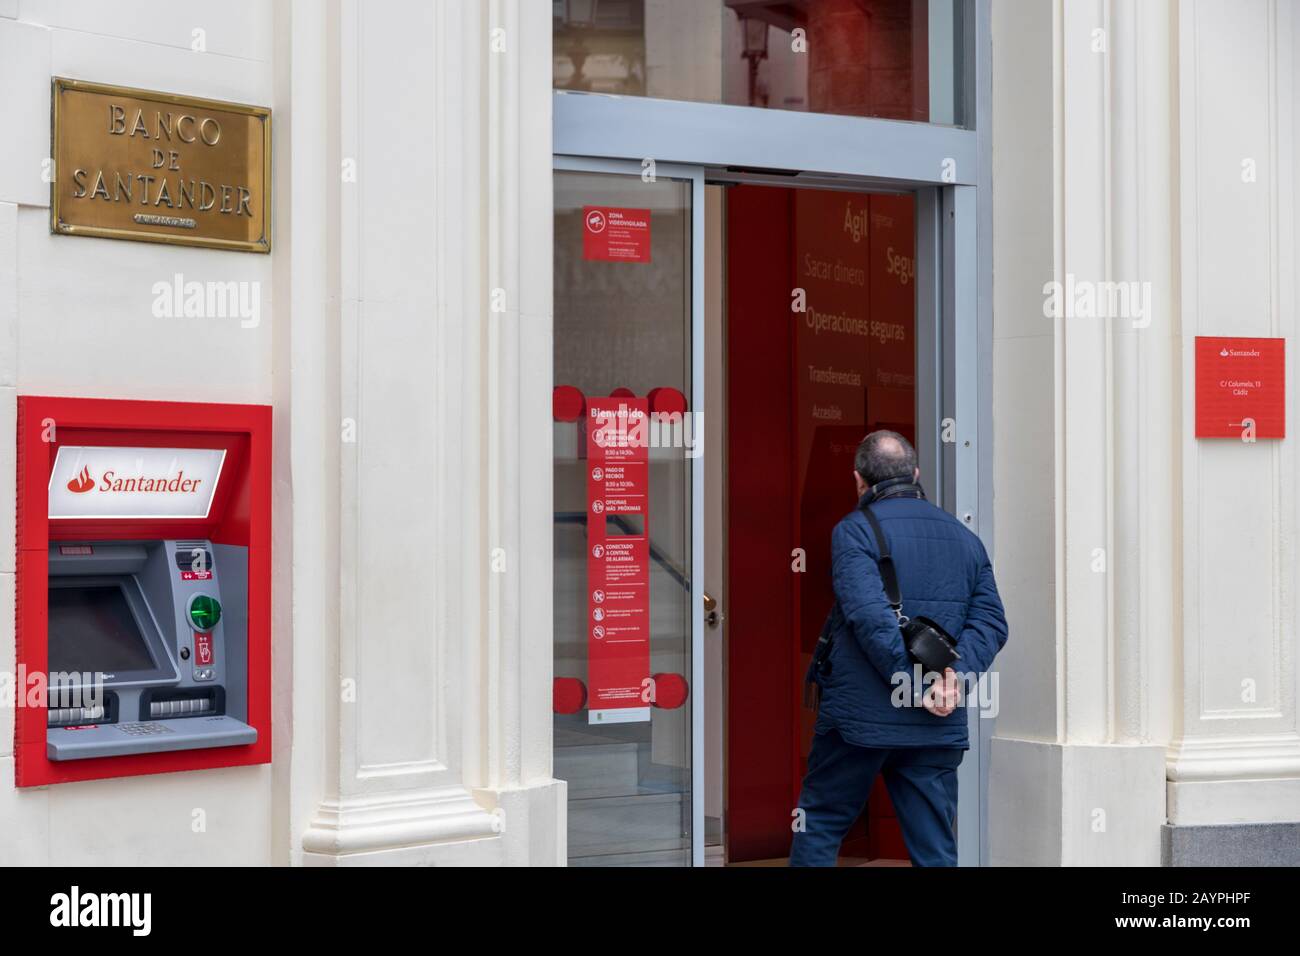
column 942, row 696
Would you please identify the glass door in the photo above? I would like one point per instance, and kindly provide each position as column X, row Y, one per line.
column 628, row 426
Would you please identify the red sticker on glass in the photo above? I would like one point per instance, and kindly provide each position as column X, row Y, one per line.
column 618, row 560
column 615, row 234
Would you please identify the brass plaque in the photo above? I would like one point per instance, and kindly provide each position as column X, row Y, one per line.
column 132, row 164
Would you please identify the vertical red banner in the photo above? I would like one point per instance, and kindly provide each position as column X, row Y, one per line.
column 618, row 560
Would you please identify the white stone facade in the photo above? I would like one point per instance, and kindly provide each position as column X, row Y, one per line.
column 1122, row 689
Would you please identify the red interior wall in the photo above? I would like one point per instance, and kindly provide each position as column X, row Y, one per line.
column 760, row 495
column 789, row 469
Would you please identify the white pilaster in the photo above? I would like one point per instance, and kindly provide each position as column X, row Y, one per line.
column 421, row 184
column 1236, row 756
column 1079, row 779
column 1175, row 574
column 515, row 770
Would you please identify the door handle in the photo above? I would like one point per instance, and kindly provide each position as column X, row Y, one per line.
column 712, row 616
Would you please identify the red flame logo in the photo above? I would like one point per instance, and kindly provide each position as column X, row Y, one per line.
column 82, row 483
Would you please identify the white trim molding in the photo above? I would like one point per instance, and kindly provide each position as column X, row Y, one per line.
column 1236, row 757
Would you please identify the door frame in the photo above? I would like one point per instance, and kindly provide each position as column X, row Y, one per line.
column 948, row 169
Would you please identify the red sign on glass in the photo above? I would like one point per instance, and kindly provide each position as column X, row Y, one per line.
column 618, row 560
column 615, row 234
column 1240, row 388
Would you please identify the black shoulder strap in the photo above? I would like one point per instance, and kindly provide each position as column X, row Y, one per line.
column 888, row 575
column 820, row 659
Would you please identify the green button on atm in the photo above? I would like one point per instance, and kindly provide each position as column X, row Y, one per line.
column 205, row 612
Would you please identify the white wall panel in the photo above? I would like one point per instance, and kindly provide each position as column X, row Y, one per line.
column 391, row 359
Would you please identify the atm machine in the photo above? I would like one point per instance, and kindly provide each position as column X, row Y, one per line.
column 143, row 588
column 146, row 651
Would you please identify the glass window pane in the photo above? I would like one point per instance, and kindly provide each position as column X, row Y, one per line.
column 893, row 59
column 622, row 607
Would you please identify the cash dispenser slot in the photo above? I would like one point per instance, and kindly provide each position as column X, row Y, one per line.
column 155, row 705
column 73, row 710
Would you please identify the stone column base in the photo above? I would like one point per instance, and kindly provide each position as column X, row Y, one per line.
column 524, row 826
column 1055, row 804
column 413, row 827
column 1236, row 844
column 534, row 823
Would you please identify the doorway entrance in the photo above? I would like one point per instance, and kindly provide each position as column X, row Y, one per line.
column 738, row 272
column 760, row 329
column 818, row 349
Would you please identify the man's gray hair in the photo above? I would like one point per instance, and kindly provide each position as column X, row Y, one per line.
column 883, row 455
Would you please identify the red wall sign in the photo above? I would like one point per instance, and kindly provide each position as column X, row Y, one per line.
column 615, row 234
column 1240, row 381
column 618, row 560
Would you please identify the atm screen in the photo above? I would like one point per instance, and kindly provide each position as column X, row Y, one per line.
column 93, row 630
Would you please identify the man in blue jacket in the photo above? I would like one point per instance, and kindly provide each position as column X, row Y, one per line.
column 872, row 719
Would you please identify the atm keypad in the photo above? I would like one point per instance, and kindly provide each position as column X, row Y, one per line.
column 143, row 729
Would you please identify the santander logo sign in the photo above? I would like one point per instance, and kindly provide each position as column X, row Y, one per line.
column 82, row 483
column 105, row 482
column 113, row 484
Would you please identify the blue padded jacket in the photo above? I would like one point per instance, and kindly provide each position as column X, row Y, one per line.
column 944, row 573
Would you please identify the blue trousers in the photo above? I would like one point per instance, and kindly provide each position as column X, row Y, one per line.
column 922, row 783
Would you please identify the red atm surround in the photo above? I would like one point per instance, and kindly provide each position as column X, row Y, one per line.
column 240, row 515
